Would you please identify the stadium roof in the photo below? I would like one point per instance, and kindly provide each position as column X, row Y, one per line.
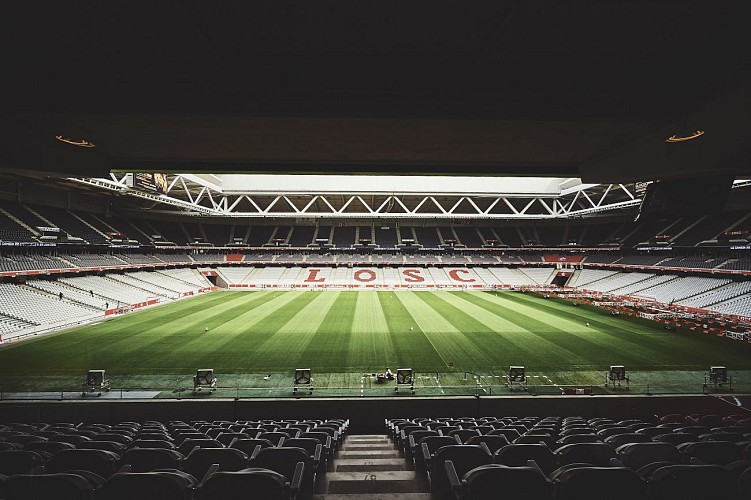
column 577, row 89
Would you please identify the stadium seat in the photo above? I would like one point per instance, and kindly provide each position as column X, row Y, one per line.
column 19, row 462
column 427, row 448
column 637, row 455
column 50, row 447
column 100, row 462
column 494, row 481
column 264, row 483
column 48, row 487
column 112, row 446
column 249, row 445
column 620, row 439
column 314, row 449
column 712, row 452
column 151, row 459
column 284, row 461
column 153, row 443
column 517, row 455
column 188, row 444
column 162, row 485
column 595, row 483
column 464, row 457
column 596, row 454
column 682, row 482
column 199, row 461
column 494, row 443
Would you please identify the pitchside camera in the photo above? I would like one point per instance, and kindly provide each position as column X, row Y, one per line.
column 303, row 376
column 404, row 376
column 96, row 381
column 204, row 379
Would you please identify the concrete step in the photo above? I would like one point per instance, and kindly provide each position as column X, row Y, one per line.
column 368, row 437
column 368, row 454
column 370, row 464
column 374, row 482
column 362, row 447
column 376, row 496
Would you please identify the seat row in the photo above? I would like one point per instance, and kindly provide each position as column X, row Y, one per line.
column 98, row 461
column 548, row 448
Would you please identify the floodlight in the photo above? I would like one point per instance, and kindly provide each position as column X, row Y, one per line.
column 404, row 376
column 96, row 381
column 204, row 378
column 303, row 376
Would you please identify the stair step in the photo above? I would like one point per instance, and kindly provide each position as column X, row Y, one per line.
column 368, row 437
column 360, row 447
column 369, row 455
column 370, row 464
column 373, row 482
column 376, row 496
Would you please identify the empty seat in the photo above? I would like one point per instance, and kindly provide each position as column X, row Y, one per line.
column 631, row 437
column 597, row 454
column 100, row 462
column 464, row 457
column 691, row 482
column 151, row 459
column 712, row 452
column 494, row 443
column 284, row 461
column 637, row 455
column 596, row 483
column 249, row 445
column 188, row 444
column 164, row 485
column 226, row 438
column 493, row 481
column 263, row 483
column 112, row 446
column 153, row 443
column 428, row 446
column 19, row 461
column 198, row 462
column 50, row 447
column 518, row 454
column 48, row 487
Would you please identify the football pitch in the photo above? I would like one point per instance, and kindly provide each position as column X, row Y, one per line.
column 456, row 342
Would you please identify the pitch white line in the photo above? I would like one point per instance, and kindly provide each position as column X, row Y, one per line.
column 439, row 384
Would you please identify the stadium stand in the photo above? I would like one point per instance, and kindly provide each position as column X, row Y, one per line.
column 681, row 288
column 72, row 224
column 260, row 235
column 343, row 237
column 301, row 236
column 385, row 237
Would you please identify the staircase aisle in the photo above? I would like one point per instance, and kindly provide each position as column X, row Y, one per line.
column 371, row 467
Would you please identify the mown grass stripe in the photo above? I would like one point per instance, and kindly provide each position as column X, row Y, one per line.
column 289, row 342
column 370, row 348
column 410, row 346
column 328, row 345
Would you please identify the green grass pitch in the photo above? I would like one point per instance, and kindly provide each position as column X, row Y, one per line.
column 450, row 338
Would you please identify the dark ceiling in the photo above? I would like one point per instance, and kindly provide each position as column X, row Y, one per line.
column 534, row 87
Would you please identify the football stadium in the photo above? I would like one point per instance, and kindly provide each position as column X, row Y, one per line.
column 419, row 251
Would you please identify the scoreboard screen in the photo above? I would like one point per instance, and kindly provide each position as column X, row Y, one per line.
column 150, row 182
